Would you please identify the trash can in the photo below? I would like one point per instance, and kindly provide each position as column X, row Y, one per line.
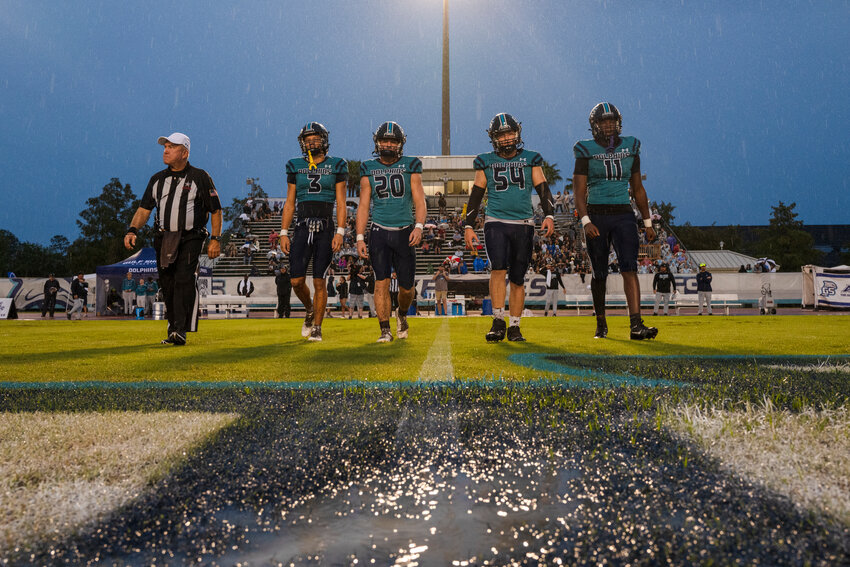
column 412, row 310
column 140, row 312
column 487, row 307
column 159, row 310
column 457, row 308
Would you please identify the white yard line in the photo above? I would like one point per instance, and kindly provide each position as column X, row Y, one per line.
column 438, row 361
column 60, row 472
column 805, row 456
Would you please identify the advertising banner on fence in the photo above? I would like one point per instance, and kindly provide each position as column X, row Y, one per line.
column 832, row 288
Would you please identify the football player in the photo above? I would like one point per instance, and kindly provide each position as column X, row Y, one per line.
column 606, row 167
column 315, row 182
column 507, row 174
column 392, row 184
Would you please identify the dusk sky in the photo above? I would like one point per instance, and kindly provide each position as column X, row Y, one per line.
column 738, row 105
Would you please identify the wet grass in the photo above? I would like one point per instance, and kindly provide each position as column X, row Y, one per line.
column 272, row 349
column 637, row 493
column 582, row 425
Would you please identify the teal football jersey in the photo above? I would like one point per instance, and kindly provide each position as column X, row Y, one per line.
column 316, row 184
column 509, row 184
column 608, row 173
column 392, row 199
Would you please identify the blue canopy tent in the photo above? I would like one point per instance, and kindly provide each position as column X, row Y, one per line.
column 141, row 264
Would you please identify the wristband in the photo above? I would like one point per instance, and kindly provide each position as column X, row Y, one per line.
column 550, row 217
column 469, row 227
column 647, row 223
column 419, row 225
column 360, row 238
column 133, row 230
column 340, row 230
column 585, row 220
column 284, row 232
column 215, row 237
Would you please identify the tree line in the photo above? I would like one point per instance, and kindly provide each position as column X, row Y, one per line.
column 782, row 240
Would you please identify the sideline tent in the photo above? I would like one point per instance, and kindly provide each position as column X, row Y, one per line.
column 141, row 264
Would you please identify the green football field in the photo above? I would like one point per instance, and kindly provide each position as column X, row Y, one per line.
column 261, row 350
column 726, row 440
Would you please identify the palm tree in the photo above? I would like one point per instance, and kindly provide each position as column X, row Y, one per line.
column 552, row 173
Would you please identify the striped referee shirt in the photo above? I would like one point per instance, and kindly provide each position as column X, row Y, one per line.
column 183, row 199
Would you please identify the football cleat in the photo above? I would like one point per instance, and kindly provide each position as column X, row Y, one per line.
column 514, row 334
column 641, row 331
column 401, row 327
column 177, row 339
column 386, row 336
column 496, row 332
column 315, row 334
column 601, row 330
column 308, row 325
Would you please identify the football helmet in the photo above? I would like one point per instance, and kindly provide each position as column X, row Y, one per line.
column 314, row 129
column 389, row 131
column 605, row 111
column 500, row 124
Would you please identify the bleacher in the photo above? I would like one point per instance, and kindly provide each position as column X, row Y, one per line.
column 425, row 262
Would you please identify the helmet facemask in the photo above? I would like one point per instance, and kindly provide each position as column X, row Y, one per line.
column 389, row 131
column 608, row 138
column 314, row 149
column 501, row 124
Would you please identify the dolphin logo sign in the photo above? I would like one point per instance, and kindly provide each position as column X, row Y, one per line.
column 829, row 288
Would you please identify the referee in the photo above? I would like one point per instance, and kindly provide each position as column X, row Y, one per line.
column 184, row 197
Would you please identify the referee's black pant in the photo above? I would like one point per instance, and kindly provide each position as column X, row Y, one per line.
column 283, row 303
column 179, row 284
column 49, row 304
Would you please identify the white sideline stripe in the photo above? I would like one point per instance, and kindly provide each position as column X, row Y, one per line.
column 438, row 361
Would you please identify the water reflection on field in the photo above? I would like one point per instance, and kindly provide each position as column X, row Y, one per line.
column 465, row 474
column 502, row 501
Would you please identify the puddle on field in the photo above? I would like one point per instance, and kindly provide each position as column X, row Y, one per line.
column 440, row 502
column 422, row 518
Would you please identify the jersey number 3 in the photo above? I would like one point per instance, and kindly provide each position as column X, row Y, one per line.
column 386, row 184
column 315, row 186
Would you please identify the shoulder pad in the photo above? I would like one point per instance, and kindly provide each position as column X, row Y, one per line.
column 536, row 159
column 291, row 167
column 581, row 150
column 415, row 165
column 479, row 162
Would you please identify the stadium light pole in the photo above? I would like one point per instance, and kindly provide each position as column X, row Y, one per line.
column 446, row 145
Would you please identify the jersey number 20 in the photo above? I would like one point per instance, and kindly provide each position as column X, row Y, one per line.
column 386, row 184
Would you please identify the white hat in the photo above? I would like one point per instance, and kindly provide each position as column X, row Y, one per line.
column 175, row 138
